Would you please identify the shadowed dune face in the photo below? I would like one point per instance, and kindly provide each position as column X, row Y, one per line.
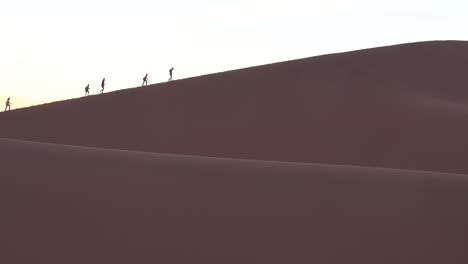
column 65, row 204
column 402, row 106
column 399, row 107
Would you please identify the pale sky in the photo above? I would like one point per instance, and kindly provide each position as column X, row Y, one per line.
column 52, row 49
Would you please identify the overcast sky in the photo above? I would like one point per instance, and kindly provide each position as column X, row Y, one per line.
column 53, row 49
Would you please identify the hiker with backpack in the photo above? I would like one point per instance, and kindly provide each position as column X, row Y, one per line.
column 145, row 80
column 8, row 104
column 87, row 90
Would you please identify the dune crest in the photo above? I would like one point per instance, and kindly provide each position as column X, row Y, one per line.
column 402, row 106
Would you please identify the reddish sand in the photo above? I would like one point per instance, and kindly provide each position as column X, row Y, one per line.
column 402, row 106
column 68, row 204
column 82, row 200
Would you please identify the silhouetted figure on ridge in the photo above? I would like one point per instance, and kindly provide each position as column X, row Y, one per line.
column 145, row 80
column 8, row 104
column 86, row 90
column 170, row 74
column 103, row 83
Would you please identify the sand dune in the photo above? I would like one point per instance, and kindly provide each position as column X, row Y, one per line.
column 403, row 106
column 66, row 204
column 101, row 191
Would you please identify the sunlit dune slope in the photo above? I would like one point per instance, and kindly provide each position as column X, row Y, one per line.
column 403, row 106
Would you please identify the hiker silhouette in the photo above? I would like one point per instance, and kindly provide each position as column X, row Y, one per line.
column 103, row 83
column 170, row 74
column 86, row 90
column 145, row 80
column 8, row 104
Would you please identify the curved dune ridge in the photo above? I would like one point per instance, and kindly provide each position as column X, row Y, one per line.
column 403, row 106
column 357, row 157
column 68, row 204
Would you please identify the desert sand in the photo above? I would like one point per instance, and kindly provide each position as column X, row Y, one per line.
column 357, row 157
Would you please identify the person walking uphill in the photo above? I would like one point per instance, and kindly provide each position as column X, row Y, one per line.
column 145, row 80
column 170, row 74
column 103, row 83
column 86, row 90
column 8, row 104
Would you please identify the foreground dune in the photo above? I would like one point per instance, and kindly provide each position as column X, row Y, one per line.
column 100, row 191
column 68, row 204
column 402, row 106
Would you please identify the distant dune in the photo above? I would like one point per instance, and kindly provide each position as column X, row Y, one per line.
column 403, row 106
column 357, row 157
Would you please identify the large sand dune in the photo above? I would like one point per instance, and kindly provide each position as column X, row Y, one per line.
column 70, row 204
column 245, row 176
column 402, row 106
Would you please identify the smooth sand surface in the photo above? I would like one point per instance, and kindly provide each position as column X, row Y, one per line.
column 402, row 106
column 67, row 204
column 246, row 178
